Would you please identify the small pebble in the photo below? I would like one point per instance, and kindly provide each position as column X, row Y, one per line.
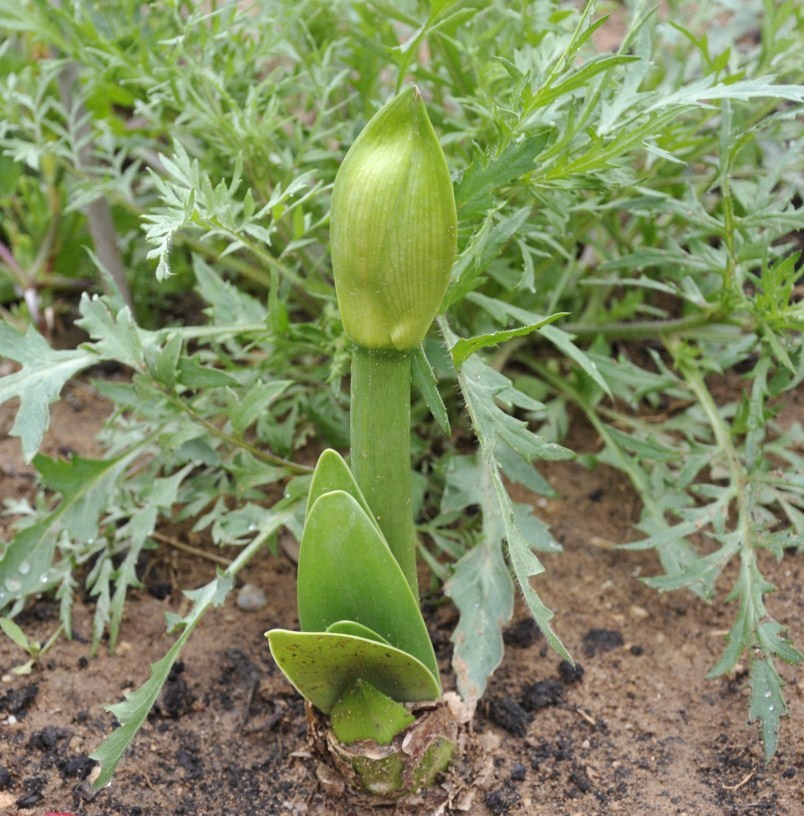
column 250, row 598
column 638, row 612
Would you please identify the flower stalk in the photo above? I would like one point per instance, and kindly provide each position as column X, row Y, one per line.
column 380, row 440
column 393, row 232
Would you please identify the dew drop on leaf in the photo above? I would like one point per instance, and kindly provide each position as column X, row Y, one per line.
column 24, row 568
column 13, row 584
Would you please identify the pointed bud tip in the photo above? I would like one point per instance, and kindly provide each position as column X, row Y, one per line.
column 393, row 227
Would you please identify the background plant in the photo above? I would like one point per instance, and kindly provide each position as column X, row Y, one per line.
column 653, row 192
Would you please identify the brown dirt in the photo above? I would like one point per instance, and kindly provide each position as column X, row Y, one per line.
column 634, row 729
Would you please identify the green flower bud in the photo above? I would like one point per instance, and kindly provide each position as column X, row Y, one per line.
column 393, row 228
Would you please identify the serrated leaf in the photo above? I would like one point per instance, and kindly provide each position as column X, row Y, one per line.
column 483, row 387
column 518, row 470
column 767, row 704
column 163, row 361
column 484, row 176
column 770, row 636
column 426, row 384
column 482, row 590
column 85, row 485
column 192, row 373
column 246, row 407
column 460, row 487
column 38, row 384
column 485, row 245
column 26, row 562
column 703, row 91
column 227, row 304
column 560, row 339
column 491, row 425
column 526, row 565
column 115, row 334
column 577, row 79
column 131, row 713
column 467, row 346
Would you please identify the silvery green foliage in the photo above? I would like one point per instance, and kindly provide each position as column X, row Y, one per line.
column 651, row 192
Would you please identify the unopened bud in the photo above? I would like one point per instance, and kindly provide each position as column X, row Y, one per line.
column 393, row 228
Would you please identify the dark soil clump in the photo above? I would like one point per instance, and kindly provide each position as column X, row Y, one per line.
column 597, row 641
column 542, row 694
column 508, row 714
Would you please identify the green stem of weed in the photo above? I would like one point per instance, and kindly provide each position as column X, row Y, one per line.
column 639, row 329
column 738, row 482
column 380, row 431
column 258, row 453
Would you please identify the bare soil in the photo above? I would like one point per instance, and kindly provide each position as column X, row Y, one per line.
column 633, row 728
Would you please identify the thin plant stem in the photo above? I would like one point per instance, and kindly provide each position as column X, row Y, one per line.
column 380, row 431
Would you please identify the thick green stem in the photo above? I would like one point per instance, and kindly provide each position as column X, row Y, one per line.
column 381, row 447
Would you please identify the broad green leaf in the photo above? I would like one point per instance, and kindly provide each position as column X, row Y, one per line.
column 356, row 630
column 332, row 473
column 364, row 713
column 347, row 572
column 321, row 666
column 38, row 383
